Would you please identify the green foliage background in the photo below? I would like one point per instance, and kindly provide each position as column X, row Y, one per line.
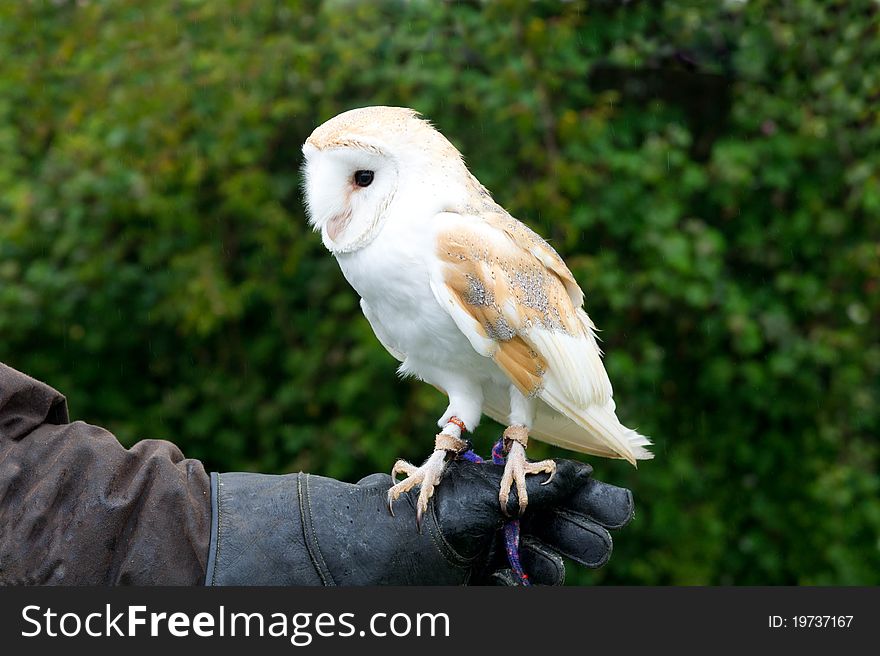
column 711, row 173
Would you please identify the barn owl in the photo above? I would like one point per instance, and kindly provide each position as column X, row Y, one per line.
column 465, row 296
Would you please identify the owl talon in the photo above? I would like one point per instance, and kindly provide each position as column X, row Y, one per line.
column 402, row 467
column 426, row 477
column 515, row 470
column 552, row 471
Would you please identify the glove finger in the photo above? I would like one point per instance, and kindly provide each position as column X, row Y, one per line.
column 573, row 536
column 543, row 565
column 569, row 477
column 605, row 504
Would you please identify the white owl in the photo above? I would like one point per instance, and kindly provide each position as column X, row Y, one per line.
column 468, row 298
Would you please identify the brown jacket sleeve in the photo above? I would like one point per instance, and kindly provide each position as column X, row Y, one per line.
column 77, row 508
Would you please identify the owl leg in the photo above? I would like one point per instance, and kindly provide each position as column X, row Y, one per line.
column 462, row 415
column 516, row 439
column 447, row 443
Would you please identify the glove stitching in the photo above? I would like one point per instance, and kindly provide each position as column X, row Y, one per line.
column 311, row 539
column 219, row 528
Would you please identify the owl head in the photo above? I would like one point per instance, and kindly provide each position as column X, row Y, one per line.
column 367, row 166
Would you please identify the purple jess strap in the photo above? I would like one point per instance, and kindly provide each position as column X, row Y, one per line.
column 511, row 526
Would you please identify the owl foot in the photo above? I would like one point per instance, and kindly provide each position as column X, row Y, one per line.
column 517, row 467
column 446, row 444
column 427, row 477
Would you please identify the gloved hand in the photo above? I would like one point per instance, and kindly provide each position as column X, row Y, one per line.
column 78, row 508
column 300, row 529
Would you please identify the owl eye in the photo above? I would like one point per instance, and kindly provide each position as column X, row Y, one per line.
column 363, row 178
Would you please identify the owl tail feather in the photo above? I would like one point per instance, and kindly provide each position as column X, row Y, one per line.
column 596, row 430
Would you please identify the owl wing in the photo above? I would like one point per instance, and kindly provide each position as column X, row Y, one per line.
column 516, row 301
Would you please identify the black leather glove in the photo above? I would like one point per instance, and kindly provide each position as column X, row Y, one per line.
column 300, row 529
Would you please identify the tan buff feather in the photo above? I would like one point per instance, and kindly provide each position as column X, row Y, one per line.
column 521, row 297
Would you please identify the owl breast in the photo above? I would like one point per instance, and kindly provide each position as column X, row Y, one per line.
column 392, row 275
